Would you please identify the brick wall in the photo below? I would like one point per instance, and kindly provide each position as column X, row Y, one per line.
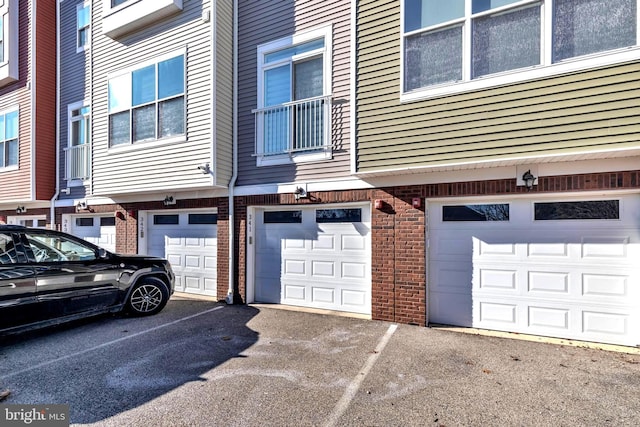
column 398, row 254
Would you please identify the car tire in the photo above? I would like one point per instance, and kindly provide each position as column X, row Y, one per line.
column 147, row 297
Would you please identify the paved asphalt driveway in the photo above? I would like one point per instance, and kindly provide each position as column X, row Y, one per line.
column 202, row 363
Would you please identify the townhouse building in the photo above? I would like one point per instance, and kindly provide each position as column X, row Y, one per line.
column 508, row 130
column 27, row 111
column 145, row 130
column 470, row 163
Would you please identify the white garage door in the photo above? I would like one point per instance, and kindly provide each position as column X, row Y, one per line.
column 565, row 269
column 314, row 257
column 99, row 230
column 189, row 241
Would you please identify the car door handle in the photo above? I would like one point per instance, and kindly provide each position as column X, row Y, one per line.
column 8, row 285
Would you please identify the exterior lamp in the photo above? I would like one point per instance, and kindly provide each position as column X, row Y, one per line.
column 528, row 179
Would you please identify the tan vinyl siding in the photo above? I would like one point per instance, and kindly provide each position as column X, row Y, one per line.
column 224, row 91
column 262, row 22
column 157, row 165
column 591, row 111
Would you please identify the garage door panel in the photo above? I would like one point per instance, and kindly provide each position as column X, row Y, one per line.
column 295, row 267
column 450, row 276
column 597, row 323
column 354, row 270
column 501, row 280
column 323, row 295
column 490, row 312
column 548, row 283
column 323, row 269
column 451, row 308
column 353, row 243
column 324, row 242
column 549, row 318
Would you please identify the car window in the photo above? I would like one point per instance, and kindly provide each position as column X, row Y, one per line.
column 52, row 247
column 8, row 254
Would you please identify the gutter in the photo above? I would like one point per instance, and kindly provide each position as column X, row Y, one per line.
column 234, row 175
column 52, row 206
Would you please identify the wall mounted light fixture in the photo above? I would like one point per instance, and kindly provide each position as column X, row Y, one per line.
column 300, row 193
column 528, row 179
column 204, row 168
column 21, row 210
column 82, row 206
column 169, row 200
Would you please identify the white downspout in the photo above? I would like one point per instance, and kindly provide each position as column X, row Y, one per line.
column 234, row 174
column 52, row 206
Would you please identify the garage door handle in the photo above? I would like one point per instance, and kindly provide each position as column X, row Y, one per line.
column 8, row 285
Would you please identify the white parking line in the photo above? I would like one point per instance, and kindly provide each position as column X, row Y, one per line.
column 352, row 389
column 106, row 344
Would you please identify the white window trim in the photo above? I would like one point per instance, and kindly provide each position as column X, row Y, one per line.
column 9, row 69
column 4, row 113
column 70, row 108
column 325, row 32
column 159, row 141
column 545, row 69
column 86, row 46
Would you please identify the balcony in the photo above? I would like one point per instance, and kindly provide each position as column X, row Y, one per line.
column 78, row 161
column 293, row 131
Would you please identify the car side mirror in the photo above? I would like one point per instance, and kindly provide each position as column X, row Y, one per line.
column 102, row 253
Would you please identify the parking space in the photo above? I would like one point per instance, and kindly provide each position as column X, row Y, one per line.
column 203, row 363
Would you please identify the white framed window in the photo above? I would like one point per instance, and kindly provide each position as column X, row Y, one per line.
column 459, row 45
column 8, row 41
column 146, row 103
column 78, row 150
column 120, row 17
column 9, row 139
column 293, row 118
column 83, row 20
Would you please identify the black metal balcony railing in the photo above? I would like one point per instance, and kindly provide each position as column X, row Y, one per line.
column 293, row 127
column 78, row 162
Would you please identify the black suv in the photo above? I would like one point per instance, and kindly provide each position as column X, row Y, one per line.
column 48, row 277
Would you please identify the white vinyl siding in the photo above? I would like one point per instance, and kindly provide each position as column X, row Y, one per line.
column 169, row 163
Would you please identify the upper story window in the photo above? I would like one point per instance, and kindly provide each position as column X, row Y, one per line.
column 468, row 44
column 83, row 15
column 294, row 98
column 78, row 151
column 9, row 139
column 8, row 41
column 147, row 103
column 120, row 17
